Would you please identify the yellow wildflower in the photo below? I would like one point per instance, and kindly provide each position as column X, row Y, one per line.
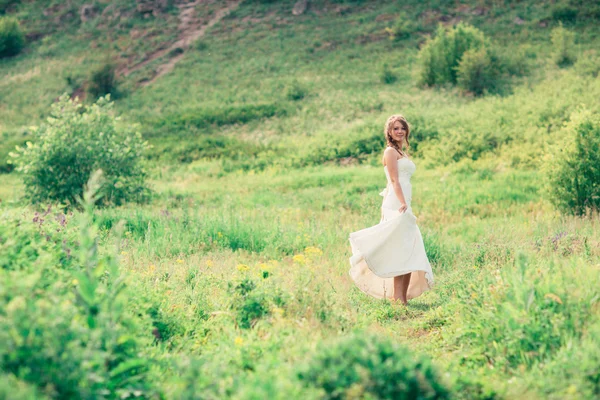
column 473, row 295
column 151, row 268
column 75, row 282
column 242, row 267
column 179, row 261
column 210, row 263
column 238, row 341
column 264, row 266
column 123, row 253
column 299, row 258
column 313, row 250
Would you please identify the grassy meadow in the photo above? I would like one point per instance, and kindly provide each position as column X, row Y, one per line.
column 232, row 280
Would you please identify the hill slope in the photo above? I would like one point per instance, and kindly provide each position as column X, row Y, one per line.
column 267, row 134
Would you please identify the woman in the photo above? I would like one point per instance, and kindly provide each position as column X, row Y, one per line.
column 388, row 259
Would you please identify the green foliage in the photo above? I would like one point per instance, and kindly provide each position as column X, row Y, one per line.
column 205, row 118
column 208, row 147
column 402, row 29
column 578, row 365
column 76, row 141
column 565, row 13
column 441, row 55
column 67, row 330
column 521, row 317
column 359, row 145
column 476, row 73
column 573, row 168
column 253, row 301
column 387, row 75
column 588, row 64
column 364, row 365
column 12, row 39
column 15, row 389
column 103, row 81
column 563, row 43
column 296, row 91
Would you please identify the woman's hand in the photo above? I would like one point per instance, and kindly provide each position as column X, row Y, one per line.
column 403, row 207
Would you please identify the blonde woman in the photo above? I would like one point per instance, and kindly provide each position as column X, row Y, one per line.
column 389, row 260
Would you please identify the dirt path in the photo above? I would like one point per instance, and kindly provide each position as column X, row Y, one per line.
column 190, row 30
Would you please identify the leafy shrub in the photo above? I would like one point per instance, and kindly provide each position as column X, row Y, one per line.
column 402, row 29
column 209, row 147
column 563, row 43
column 564, row 13
column 588, row 64
column 573, row 169
column 369, row 366
column 75, row 141
column 67, row 331
column 441, row 55
column 476, row 73
column 204, row 118
column 359, row 145
column 253, row 301
column 577, row 364
column 12, row 39
column 15, row 389
column 387, row 75
column 6, row 4
column 103, row 81
column 296, row 92
column 535, row 315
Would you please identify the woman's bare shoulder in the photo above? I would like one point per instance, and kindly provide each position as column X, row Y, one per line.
column 389, row 154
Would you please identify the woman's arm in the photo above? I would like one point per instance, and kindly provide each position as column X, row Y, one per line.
column 391, row 160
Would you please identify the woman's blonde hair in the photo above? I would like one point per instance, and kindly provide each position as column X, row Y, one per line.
column 388, row 132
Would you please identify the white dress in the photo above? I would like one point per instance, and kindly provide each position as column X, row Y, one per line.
column 393, row 247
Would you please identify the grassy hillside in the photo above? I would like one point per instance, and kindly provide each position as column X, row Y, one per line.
column 266, row 137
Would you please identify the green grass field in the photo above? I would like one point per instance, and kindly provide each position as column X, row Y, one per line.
column 266, row 138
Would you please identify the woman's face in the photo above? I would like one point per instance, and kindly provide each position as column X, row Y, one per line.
column 398, row 132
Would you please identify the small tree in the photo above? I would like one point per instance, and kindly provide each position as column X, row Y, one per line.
column 103, row 81
column 12, row 39
column 440, row 57
column 563, row 43
column 369, row 366
column 573, row 168
column 476, row 73
column 76, row 141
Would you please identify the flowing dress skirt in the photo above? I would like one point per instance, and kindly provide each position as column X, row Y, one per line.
column 391, row 248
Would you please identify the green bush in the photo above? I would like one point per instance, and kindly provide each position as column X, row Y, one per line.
column 387, row 75
column 15, row 389
column 12, row 39
column 588, row 64
column 358, row 145
column 476, row 72
column 103, row 81
column 565, row 13
column 253, row 301
column 296, row 92
column 65, row 327
column 573, row 168
column 74, row 142
column 204, row 118
column 563, row 43
column 441, row 55
column 520, row 318
column 369, row 366
column 402, row 29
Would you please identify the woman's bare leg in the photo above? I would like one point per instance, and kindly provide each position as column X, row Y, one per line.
column 401, row 287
